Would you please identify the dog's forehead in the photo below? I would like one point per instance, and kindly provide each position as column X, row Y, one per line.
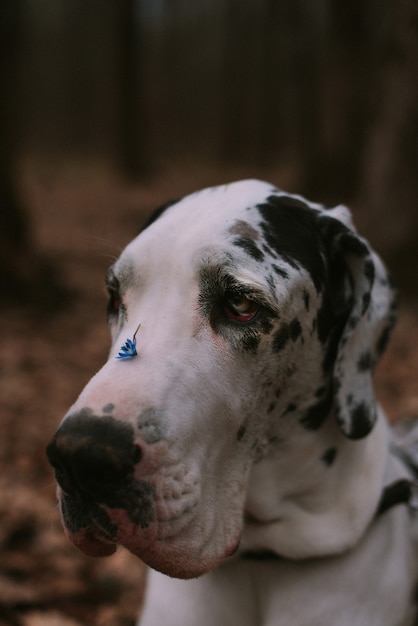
column 204, row 219
column 250, row 223
column 209, row 214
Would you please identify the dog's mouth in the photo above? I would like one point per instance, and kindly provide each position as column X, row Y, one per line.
column 97, row 530
column 93, row 541
column 88, row 528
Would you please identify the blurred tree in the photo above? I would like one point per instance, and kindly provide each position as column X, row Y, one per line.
column 132, row 124
column 14, row 236
column 25, row 277
column 325, row 90
column 390, row 165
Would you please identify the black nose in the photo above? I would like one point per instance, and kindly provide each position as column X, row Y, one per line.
column 93, row 456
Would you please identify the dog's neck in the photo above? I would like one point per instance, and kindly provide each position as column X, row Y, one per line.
column 300, row 505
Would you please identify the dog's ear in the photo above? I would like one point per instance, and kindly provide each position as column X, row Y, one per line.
column 364, row 301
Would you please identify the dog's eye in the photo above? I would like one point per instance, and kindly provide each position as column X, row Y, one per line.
column 241, row 309
column 114, row 303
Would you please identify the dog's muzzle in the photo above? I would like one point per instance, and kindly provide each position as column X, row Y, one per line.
column 94, row 459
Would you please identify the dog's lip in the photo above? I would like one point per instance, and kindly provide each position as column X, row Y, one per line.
column 92, row 540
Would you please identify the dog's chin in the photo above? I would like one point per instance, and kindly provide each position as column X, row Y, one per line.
column 170, row 557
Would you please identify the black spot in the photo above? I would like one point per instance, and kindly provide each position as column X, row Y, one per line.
column 278, row 393
column 249, row 247
column 330, row 333
column 349, row 399
column 280, row 271
column 361, row 421
column 364, row 362
column 290, row 228
column 152, row 425
column 138, row 501
column 290, row 408
column 369, row 271
column 319, row 392
column 329, row 456
column 306, row 299
column 271, row 407
column 108, row 408
column 286, row 332
column 281, row 337
column 269, row 251
column 271, row 283
column 317, row 414
column 399, row 492
column 366, row 302
column 241, row 432
column 250, row 342
column 383, row 340
column 295, row 329
column 353, row 322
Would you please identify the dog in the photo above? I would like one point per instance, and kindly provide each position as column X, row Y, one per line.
column 233, row 440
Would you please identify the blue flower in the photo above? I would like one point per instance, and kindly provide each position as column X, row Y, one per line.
column 128, row 350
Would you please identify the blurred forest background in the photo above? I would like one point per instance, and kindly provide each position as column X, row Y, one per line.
column 107, row 109
column 321, row 94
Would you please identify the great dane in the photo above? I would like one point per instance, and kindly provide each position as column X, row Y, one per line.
column 233, row 440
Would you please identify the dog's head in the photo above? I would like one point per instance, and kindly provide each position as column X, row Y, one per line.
column 261, row 316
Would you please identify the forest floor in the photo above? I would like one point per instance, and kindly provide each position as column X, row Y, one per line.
column 47, row 355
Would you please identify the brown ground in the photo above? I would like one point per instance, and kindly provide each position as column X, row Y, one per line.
column 46, row 357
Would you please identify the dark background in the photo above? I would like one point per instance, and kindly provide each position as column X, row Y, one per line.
column 107, row 109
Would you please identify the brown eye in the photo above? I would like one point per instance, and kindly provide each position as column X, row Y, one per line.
column 241, row 309
column 114, row 302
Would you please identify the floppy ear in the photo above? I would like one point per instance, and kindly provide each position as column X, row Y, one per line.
column 362, row 281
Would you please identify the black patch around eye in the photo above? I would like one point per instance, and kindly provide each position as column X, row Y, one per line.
column 329, row 456
column 249, row 247
column 218, row 287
